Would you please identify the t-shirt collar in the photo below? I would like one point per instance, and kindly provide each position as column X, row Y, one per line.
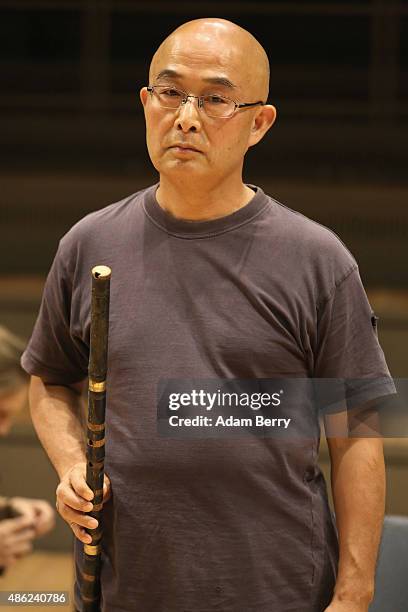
column 201, row 229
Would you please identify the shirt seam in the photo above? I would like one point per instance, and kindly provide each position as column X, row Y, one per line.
column 299, row 214
column 267, row 205
column 337, row 284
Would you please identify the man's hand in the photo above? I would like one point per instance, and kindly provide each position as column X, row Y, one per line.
column 74, row 500
column 16, row 536
column 38, row 511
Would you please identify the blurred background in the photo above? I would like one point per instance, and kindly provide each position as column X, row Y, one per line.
column 73, row 140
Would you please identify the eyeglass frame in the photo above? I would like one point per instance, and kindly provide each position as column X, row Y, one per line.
column 151, row 88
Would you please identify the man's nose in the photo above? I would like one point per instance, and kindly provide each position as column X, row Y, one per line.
column 188, row 116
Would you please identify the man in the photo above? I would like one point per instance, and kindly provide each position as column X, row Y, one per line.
column 211, row 278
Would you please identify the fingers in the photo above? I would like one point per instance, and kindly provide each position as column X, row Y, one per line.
column 11, row 559
column 78, row 521
column 78, row 483
column 66, row 495
column 45, row 518
column 21, row 537
column 19, row 541
column 22, row 548
column 81, row 534
column 15, row 541
column 107, row 489
column 23, row 506
column 79, row 518
column 17, row 524
column 38, row 511
column 74, row 500
column 46, row 512
column 42, row 507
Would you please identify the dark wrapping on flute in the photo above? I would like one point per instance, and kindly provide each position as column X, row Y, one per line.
column 97, row 371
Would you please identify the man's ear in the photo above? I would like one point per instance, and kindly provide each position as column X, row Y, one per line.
column 261, row 123
column 143, row 95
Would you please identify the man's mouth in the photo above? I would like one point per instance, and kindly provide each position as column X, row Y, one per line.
column 184, row 148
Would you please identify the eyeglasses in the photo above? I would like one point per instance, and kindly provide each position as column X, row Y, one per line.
column 212, row 104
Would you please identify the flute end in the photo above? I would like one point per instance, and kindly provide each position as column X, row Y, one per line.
column 101, row 272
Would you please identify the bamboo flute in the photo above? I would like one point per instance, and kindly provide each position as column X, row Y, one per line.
column 95, row 453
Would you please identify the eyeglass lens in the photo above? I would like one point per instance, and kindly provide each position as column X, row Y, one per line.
column 213, row 105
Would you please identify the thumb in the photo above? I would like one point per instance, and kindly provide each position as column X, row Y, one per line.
column 107, row 489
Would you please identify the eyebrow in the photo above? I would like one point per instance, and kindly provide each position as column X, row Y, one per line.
column 168, row 72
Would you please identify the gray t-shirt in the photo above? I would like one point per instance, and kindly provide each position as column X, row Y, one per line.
column 209, row 525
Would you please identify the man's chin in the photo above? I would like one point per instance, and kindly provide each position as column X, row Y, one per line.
column 184, row 167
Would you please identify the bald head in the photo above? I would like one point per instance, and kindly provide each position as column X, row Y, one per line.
column 228, row 48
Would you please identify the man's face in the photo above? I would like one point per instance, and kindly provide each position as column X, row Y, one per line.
column 191, row 62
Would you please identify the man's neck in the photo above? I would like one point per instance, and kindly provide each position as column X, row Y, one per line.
column 195, row 204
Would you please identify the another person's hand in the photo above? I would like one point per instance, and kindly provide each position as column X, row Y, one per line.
column 39, row 511
column 74, row 501
column 16, row 536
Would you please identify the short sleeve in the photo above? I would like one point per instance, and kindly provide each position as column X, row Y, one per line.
column 55, row 352
column 347, row 342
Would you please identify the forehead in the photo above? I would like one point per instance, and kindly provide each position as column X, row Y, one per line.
column 209, row 59
column 207, row 78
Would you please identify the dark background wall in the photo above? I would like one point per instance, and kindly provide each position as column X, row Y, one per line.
column 70, row 72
